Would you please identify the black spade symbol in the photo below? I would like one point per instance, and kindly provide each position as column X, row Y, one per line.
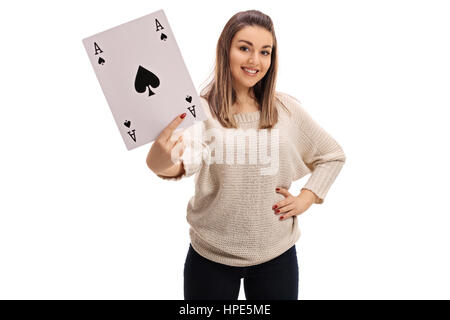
column 189, row 99
column 127, row 123
column 101, row 61
column 145, row 79
column 163, row 37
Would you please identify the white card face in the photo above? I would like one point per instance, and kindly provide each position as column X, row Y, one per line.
column 144, row 78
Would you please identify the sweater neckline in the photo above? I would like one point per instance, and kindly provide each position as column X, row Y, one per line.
column 247, row 116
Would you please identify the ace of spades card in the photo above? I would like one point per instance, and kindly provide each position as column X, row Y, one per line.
column 144, row 78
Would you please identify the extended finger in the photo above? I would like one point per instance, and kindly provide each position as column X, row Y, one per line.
column 282, row 203
column 288, row 215
column 178, row 146
column 173, row 140
column 284, row 209
column 283, row 191
column 167, row 131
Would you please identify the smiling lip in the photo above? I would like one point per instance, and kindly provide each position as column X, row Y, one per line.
column 250, row 74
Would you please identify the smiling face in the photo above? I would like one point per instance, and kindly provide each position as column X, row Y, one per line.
column 251, row 48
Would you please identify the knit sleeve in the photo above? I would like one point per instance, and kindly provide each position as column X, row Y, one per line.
column 194, row 151
column 323, row 155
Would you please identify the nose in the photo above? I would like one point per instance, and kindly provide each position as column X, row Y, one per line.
column 253, row 60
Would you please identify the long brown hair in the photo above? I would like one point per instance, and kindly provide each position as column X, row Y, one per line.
column 220, row 93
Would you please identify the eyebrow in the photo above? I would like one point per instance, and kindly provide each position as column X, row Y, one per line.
column 248, row 42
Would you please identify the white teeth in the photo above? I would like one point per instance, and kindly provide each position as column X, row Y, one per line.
column 250, row 71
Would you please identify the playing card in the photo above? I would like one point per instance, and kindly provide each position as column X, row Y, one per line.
column 144, row 78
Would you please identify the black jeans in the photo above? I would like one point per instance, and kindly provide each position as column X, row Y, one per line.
column 276, row 279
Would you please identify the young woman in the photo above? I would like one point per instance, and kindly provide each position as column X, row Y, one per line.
column 243, row 219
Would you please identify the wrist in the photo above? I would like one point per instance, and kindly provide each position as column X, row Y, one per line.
column 174, row 170
column 311, row 196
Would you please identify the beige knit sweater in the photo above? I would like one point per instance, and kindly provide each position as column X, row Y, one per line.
column 236, row 172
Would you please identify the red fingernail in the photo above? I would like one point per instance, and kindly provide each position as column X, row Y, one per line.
column 278, row 211
column 278, row 189
column 274, row 207
column 281, row 218
column 183, row 115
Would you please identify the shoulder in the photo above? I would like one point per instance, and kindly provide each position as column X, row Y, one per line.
column 298, row 114
column 289, row 102
column 285, row 97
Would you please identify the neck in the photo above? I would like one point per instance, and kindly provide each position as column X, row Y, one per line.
column 245, row 97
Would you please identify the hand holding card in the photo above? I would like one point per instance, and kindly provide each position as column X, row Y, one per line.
column 143, row 77
column 167, row 149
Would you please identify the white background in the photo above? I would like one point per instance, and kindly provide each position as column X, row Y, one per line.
column 82, row 218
